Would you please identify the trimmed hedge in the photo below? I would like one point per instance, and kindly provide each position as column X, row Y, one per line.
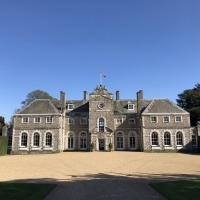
column 3, row 145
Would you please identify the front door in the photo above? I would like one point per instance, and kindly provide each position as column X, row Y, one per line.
column 101, row 144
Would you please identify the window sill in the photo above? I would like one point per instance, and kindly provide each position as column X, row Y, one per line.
column 23, row 148
column 47, row 148
column 35, row 148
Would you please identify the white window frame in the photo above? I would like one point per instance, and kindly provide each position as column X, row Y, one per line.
column 83, row 136
column 83, row 120
column 101, row 124
column 164, row 119
column 167, row 139
column 152, row 121
column 46, row 141
column 178, row 139
column 132, row 134
column 36, row 121
column 120, row 135
column 24, row 146
column 70, row 106
column 25, row 121
column 131, row 120
column 154, row 139
column 119, row 120
column 131, row 104
column 177, row 117
column 70, row 138
column 36, row 146
column 49, row 119
column 71, row 120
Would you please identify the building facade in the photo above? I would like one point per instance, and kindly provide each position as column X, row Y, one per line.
column 46, row 126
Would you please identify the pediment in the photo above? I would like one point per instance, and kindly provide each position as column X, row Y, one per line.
column 101, row 98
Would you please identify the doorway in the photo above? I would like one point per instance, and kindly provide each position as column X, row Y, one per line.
column 101, row 144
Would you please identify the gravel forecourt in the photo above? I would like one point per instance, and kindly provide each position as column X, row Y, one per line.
column 100, row 175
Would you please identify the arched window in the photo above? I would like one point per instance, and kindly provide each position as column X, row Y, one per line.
column 70, row 141
column 167, row 139
column 179, row 138
column 36, row 139
column 154, row 138
column 48, row 141
column 120, row 140
column 24, row 139
column 101, row 125
column 132, row 141
column 83, row 141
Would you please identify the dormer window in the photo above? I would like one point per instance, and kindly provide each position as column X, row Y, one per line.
column 131, row 121
column 70, row 106
column 83, row 120
column 71, row 120
column 130, row 106
column 119, row 120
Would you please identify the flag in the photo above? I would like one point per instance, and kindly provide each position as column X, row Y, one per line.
column 102, row 74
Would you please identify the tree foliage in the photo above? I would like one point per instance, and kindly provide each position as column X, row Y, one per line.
column 190, row 101
column 36, row 94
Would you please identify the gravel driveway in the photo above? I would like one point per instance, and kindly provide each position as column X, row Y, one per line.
column 100, row 175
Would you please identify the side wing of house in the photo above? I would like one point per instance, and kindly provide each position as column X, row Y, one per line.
column 166, row 126
column 37, row 128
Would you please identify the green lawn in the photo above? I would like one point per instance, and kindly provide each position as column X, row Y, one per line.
column 28, row 191
column 179, row 190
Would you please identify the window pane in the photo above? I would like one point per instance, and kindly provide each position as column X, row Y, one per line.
column 48, row 139
column 154, row 139
column 24, row 139
column 36, row 139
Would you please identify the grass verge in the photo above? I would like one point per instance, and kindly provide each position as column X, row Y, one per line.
column 28, row 191
column 179, row 190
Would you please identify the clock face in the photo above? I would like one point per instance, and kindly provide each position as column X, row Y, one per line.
column 101, row 105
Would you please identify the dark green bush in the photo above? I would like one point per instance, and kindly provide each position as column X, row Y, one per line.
column 3, row 145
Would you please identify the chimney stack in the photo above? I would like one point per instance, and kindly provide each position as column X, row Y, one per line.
column 84, row 95
column 139, row 98
column 63, row 100
column 117, row 95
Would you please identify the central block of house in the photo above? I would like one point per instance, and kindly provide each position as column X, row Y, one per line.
column 46, row 126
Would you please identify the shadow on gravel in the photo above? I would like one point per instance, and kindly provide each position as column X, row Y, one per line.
column 107, row 186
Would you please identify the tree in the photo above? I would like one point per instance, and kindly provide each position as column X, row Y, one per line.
column 36, row 94
column 190, row 101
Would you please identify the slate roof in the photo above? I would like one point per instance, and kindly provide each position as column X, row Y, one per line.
column 121, row 106
column 39, row 106
column 79, row 105
column 163, row 106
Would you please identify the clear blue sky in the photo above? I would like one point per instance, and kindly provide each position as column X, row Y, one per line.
column 53, row 45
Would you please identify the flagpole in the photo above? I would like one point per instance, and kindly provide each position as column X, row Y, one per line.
column 100, row 79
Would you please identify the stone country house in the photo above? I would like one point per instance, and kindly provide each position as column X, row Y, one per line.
column 47, row 126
